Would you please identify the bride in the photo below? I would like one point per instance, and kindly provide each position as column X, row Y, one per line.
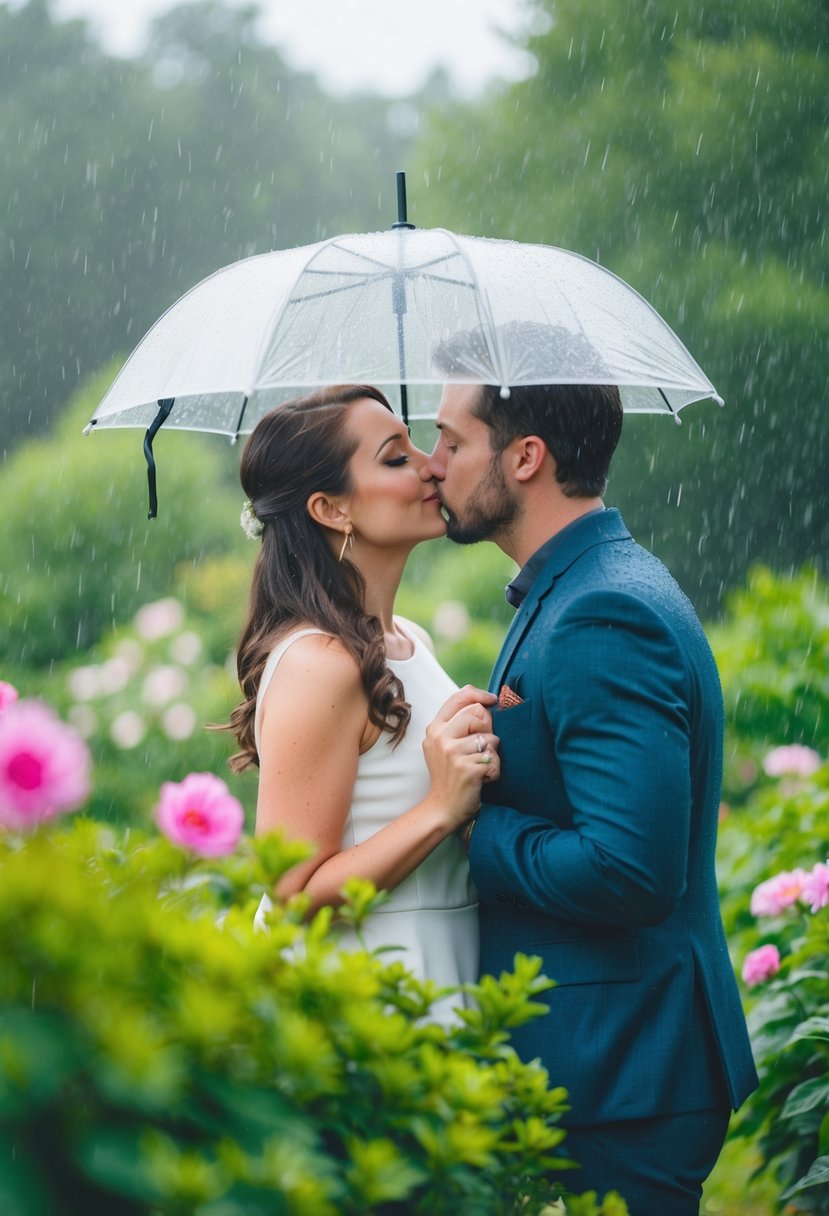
column 365, row 747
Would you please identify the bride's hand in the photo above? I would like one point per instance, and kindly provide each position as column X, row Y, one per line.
column 461, row 752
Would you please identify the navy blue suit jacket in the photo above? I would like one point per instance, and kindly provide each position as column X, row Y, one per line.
column 595, row 849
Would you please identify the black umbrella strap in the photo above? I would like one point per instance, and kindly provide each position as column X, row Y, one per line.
column 239, row 420
column 671, row 409
column 164, row 407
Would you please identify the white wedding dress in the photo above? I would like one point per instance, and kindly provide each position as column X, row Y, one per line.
column 431, row 917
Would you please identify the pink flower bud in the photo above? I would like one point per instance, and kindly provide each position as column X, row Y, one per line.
column 815, row 891
column 794, row 759
column 200, row 814
column 776, row 894
column 760, row 965
column 44, row 766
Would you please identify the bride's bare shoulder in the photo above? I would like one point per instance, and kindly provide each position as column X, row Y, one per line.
column 319, row 656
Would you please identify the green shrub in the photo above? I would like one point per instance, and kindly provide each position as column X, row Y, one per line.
column 77, row 552
column 142, row 698
column 772, row 650
column 152, row 1061
column 787, row 1117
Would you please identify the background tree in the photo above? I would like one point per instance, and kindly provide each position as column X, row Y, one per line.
column 686, row 147
column 130, row 180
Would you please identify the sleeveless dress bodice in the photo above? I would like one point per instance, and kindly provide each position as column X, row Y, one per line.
column 431, row 917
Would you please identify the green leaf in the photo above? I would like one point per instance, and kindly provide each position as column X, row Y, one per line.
column 380, row 1173
column 823, row 1134
column 805, row 1097
column 38, row 1051
column 812, row 1028
column 818, row 1175
column 116, row 1161
column 22, row 1186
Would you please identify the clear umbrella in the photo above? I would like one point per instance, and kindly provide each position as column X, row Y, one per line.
column 373, row 308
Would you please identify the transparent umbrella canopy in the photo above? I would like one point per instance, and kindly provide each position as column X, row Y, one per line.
column 373, row 308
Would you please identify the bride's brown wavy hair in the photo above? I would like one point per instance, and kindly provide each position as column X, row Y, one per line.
column 298, row 448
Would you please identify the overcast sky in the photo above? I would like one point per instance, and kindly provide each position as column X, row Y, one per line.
column 354, row 44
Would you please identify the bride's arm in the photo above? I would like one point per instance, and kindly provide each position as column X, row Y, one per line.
column 313, row 720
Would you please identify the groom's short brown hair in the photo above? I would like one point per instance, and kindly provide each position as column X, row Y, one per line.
column 579, row 423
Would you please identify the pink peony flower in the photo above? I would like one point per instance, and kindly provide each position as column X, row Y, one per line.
column 776, row 894
column 760, row 965
column 8, row 695
column 44, row 766
column 795, row 759
column 815, row 891
column 200, row 814
column 159, row 619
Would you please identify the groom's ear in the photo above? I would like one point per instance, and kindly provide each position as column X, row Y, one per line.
column 327, row 511
column 527, row 454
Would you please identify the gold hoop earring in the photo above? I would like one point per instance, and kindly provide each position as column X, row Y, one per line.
column 347, row 543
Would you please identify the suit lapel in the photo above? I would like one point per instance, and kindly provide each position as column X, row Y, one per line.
column 573, row 542
column 521, row 622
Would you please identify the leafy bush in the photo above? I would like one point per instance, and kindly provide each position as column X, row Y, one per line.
column 772, row 651
column 151, row 1061
column 158, row 1054
column 77, row 553
column 786, row 964
column 142, row 698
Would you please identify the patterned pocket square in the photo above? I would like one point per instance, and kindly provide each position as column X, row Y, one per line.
column 507, row 698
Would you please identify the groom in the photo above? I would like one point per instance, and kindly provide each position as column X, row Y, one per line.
column 595, row 849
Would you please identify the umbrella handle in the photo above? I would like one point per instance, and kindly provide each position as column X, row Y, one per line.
column 164, row 407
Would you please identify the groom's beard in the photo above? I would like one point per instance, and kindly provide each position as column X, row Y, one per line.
column 489, row 509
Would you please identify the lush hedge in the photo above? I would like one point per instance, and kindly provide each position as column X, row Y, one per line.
column 773, row 654
column 131, row 1024
column 77, row 553
column 155, row 1061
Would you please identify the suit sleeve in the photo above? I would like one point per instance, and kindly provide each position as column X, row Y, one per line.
column 615, row 695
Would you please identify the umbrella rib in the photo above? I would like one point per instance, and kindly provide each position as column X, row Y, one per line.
column 386, row 272
column 356, row 253
column 444, row 257
column 354, row 274
column 482, row 299
column 436, row 278
column 413, row 270
column 333, row 291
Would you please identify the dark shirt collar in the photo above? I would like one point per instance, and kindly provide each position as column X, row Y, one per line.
column 516, row 591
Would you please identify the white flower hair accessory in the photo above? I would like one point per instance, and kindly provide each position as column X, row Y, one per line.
column 252, row 526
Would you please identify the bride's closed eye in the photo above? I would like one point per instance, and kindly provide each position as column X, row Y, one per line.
column 396, row 461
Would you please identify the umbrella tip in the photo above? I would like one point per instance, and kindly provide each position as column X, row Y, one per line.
column 718, row 400
column 87, row 430
column 504, row 394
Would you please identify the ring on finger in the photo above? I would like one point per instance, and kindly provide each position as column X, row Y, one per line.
column 480, row 743
column 485, row 758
